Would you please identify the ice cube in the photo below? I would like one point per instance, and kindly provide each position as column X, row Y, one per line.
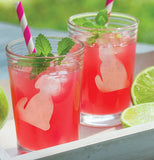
column 69, row 64
column 38, row 110
column 116, row 41
column 113, row 73
column 49, row 84
column 62, row 73
column 63, row 76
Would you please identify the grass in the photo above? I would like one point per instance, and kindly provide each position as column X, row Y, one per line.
column 53, row 14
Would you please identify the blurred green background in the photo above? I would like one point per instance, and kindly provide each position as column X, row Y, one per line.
column 53, row 14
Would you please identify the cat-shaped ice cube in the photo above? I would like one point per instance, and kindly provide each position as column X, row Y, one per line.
column 113, row 73
column 39, row 109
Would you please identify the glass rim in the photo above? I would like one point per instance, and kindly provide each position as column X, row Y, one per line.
column 9, row 53
column 69, row 21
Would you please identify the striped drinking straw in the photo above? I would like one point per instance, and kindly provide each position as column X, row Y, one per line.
column 24, row 27
column 108, row 6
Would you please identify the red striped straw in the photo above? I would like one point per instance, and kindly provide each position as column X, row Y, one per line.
column 24, row 27
column 108, row 6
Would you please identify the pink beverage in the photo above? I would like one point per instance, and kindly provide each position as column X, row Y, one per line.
column 46, row 108
column 108, row 69
column 109, row 76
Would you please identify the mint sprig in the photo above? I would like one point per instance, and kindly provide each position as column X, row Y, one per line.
column 101, row 18
column 84, row 22
column 64, row 46
column 44, row 49
column 91, row 40
column 98, row 23
column 42, row 45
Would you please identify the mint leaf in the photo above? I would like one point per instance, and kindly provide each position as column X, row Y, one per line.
column 89, row 25
column 98, row 23
column 91, row 40
column 44, row 48
column 33, row 55
column 38, row 67
column 42, row 45
column 84, row 22
column 24, row 62
column 80, row 21
column 102, row 17
column 50, row 55
column 39, row 64
column 64, row 46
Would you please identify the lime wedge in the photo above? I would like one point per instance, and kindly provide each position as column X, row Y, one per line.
column 4, row 108
column 142, row 90
column 138, row 114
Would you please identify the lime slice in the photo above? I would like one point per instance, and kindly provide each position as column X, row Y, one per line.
column 142, row 90
column 4, row 108
column 138, row 114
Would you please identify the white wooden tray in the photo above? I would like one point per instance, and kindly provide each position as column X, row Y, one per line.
column 113, row 143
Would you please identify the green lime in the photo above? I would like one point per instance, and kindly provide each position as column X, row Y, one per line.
column 142, row 90
column 138, row 114
column 4, row 108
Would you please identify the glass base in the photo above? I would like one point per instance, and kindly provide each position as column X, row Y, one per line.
column 22, row 150
column 100, row 120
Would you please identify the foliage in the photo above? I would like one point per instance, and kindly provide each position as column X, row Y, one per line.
column 53, row 14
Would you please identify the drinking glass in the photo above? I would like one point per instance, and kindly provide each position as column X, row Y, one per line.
column 108, row 67
column 45, row 95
